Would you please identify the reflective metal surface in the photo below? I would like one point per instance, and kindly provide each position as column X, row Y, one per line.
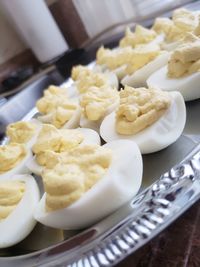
column 171, row 184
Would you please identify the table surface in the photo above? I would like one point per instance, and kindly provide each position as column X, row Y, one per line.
column 176, row 246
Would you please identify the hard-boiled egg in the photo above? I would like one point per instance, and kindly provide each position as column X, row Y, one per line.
column 94, row 125
column 58, row 119
column 14, row 163
column 96, row 104
column 90, row 137
column 165, row 131
column 139, row 77
column 120, row 183
column 188, row 85
column 86, row 77
column 20, row 222
column 24, row 132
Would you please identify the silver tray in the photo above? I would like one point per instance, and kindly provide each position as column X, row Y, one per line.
column 171, row 184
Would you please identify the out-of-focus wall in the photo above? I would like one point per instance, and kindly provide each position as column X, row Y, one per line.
column 10, row 44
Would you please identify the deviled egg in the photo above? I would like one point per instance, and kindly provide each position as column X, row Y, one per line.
column 183, row 22
column 152, row 118
column 23, row 132
column 19, row 196
column 54, row 140
column 89, row 184
column 96, row 103
column 127, row 60
column 140, row 76
column 13, row 159
column 182, row 72
column 141, row 35
column 85, row 77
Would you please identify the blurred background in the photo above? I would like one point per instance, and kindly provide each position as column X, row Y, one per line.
column 36, row 32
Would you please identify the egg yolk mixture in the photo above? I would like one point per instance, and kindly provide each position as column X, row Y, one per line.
column 55, row 140
column 53, row 97
column 140, row 36
column 185, row 60
column 140, row 108
column 162, row 25
column 49, row 103
column 11, row 192
column 134, row 59
column 96, row 101
column 55, row 90
column 183, row 21
column 63, row 113
column 85, row 78
column 20, row 132
column 10, row 156
column 78, row 171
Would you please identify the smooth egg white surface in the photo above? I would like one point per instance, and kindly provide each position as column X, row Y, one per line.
column 139, row 77
column 20, row 168
column 90, row 137
column 188, row 86
column 120, row 183
column 159, row 135
column 20, row 222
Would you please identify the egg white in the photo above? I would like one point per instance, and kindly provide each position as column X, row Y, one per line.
column 86, row 123
column 20, row 168
column 188, row 86
column 159, row 135
column 20, row 222
column 170, row 46
column 139, row 77
column 120, row 183
column 90, row 137
column 72, row 123
column 32, row 141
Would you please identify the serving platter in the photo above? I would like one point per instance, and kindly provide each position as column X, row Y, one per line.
column 171, row 184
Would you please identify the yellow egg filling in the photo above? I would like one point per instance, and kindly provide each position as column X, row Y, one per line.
column 132, row 59
column 20, row 132
column 11, row 192
column 183, row 21
column 140, row 36
column 86, row 78
column 185, row 59
column 77, row 171
column 162, row 25
column 52, row 139
column 55, row 90
column 96, row 101
column 10, row 156
column 140, row 108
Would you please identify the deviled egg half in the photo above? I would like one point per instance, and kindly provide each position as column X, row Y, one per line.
column 23, row 132
column 59, row 110
column 19, row 196
column 183, row 22
column 141, row 35
column 96, row 103
column 51, row 139
column 85, row 77
column 13, row 159
column 182, row 72
column 133, row 64
column 152, row 118
column 89, row 183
